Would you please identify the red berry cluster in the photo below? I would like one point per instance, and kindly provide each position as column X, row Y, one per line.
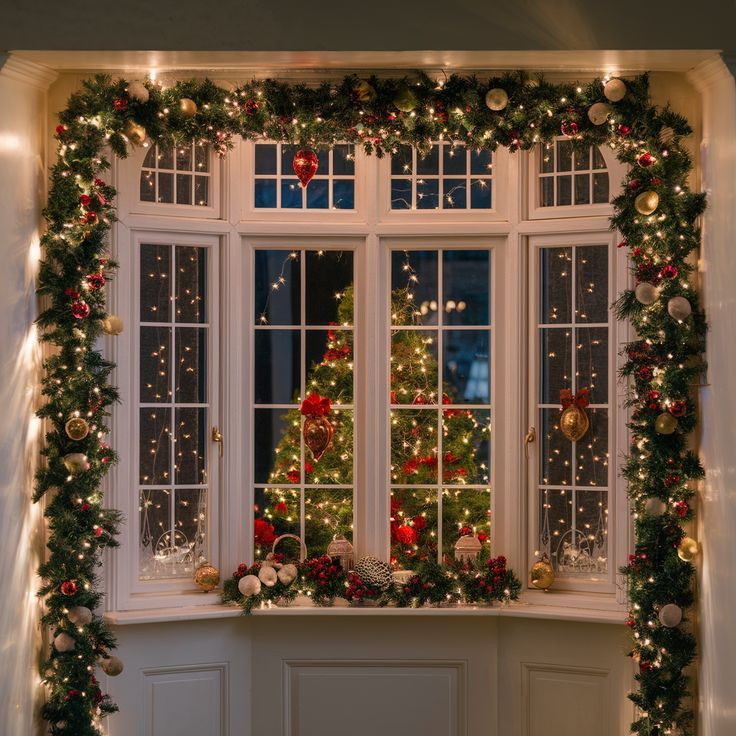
column 328, row 576
column 357, row 590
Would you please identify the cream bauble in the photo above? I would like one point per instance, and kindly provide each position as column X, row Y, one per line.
column 679, row 308
column 268, row 576
column 497, row 99
column 80, row 615
column 138, row 91
column 63, row 642
column 614, row 90
column 249, row 585
column 112, row 665
column 670, row 615
column 287, row 574
column 112, row 325
column 598, row 113
column 646, row 293
column 75, row 462
column 646, row 203
column 654, row 506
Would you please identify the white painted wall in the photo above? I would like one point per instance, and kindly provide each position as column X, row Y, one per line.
column 22, row 177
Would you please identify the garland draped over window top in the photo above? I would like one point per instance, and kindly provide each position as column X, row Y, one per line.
column 655, row 212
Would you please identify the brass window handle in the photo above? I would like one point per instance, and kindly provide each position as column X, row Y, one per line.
column 531, row 436
column 217, row 437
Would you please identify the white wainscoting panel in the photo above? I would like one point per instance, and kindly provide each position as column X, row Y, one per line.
column 185, row 701
column 374, row 698
column 578, row 698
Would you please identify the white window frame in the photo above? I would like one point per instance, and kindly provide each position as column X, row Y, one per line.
column 371, row 230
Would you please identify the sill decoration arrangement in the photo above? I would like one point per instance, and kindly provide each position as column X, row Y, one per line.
column 655, row 212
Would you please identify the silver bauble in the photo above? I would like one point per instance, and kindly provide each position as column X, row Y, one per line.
column 679, row 308
column 614, row 90
column 80, row 615
column 64, row 642
column 598, row 113
column 646, row 293
column 670, row 615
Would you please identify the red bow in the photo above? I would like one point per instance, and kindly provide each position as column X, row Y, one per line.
column 568, row 398
column 316, row 406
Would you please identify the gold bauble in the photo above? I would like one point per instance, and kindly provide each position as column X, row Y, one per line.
column 207, row 577
column 187, row 107
column 574, row 423
column 77, row 428
column 665, row 423
column 542, row 574
column 75, row 462
column 687, row 549
column 496, row 99
column 112, row 325
column 646, row 203
column 134, row 132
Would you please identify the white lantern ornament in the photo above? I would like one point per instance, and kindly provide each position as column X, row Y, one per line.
column 467, row 548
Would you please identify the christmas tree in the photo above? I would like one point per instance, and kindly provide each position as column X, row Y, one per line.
column 415, row 458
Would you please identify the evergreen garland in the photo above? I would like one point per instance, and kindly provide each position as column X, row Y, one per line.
column 380, row 115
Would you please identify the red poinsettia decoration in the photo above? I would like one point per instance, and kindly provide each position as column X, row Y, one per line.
column 406, row 534
column 581, row 399
column 264, row 533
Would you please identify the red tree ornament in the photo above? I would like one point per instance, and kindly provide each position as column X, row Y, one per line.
column 96, row 281
column 69, row 587
column 305, row 165
column 645, row 159
column 318, row 429
column 569, row 128
column 80, row 309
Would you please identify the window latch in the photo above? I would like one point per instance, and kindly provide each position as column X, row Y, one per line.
column 531, row 436
column 217, row 437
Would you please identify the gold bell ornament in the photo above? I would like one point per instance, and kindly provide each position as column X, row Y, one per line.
column 574, row 421
column 542, row 574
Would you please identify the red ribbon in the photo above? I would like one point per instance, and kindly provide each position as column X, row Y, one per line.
column 316, row 406
column 581, row 399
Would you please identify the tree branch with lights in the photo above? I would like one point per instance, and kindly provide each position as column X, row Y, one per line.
column 656, row 213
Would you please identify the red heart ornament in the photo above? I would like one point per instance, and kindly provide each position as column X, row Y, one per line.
column 305, row 165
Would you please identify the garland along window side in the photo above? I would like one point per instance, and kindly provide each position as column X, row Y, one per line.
column 655, row 212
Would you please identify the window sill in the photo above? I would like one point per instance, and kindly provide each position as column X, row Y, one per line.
column 519, row 609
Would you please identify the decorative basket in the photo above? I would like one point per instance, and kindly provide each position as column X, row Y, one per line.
column 302, row 546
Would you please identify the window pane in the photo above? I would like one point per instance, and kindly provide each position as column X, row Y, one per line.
column 266, row 158
column 276, row 446
column 166, row 188
column 547, row 159
column 329, row 276
column 555, row 285
column 592, row 451
column 454, row 160
column 291, row 194
column 277, row 287
column 190, row 522
column 591, row 265
column 582, row 159
column 148, row 186
column 555, row 515
column 265, row 193
column 480, row 162
column 564, row 190
column 184, row 158
column 191, row 283
column 598, row 160
column 466, row 365
column 202, row 157
column 555, row 363
column 328, row 363
column 190, row 438
column 466, row 511
column 564, row 155
column 336, row 464
column 401, row 161
column 414, row 446
column 165, row 156
column 343, row 161
column 555, row 462
column 327, row 513
column 414, row 377
column 466, row 447
column 401, row 193
column 592, row 362
column 318, row 194
column 414, row 282
column 466, row 287
column 582, row 189
column 429, row 163
column 547, row 191
column 343, row 195
column 155, row 446
column 414, row 532
column 155, row 287
column 191, row 365
column 155, row 558
column 276, row 364
column 427, row 194
column 481, row 194
column 600, row 188
column 201, row 191
column 454, row 194
column 155, row 364
column 276, row 511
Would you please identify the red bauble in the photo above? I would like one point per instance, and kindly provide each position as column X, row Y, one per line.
column 668, row 272
column 90, row 217
column 250, row 107
column 69, row 587
column 633, row 184
column 645, row 159
column 678, row 408
column 623, row 130
column 305, row 165
column 406, row 534
column 99, row 531
column 61, row 129
column 84, row 200
column 569, row 128
column 96, row 281
column 80, row 309
column 120, row 103
column 420, row 522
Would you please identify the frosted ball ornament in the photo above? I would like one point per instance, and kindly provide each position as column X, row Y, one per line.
column 64, row 643
column 268, row 576
column 614, row 90
column 80, row 615
column 249, row 585
column 687, row 549
column 112, row 325
column 76, row 428
column 646, row 293
column 287, row 574
column 670, row 615
column 598, row 113
column 112, row 665
column 654, row 507
column 497, row 99
column 665, row 424
column 679, row 308
column 138, row 91
column 187, row 107
column 646, row 203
